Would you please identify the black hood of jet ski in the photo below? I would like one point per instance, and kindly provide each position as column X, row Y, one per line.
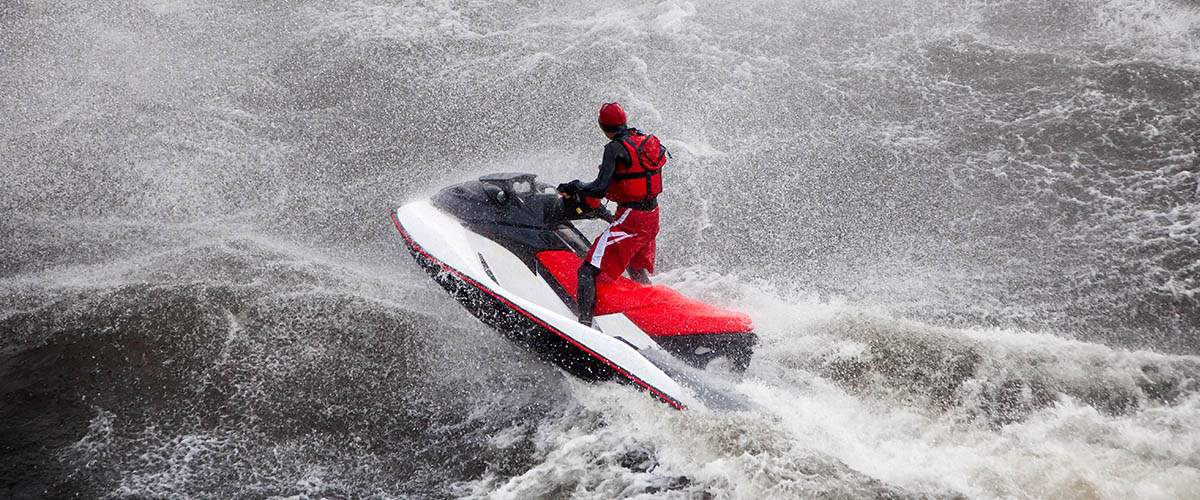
column 518, row 212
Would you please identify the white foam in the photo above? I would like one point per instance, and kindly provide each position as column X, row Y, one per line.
column 1065, row 449
column 1158, row 29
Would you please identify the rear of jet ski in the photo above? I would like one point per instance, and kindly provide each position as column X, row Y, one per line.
column 691, row 330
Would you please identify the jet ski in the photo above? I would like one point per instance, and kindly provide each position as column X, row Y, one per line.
column 504, row 246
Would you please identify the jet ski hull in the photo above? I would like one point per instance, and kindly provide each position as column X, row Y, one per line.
column 561, row 344
column 503, row 247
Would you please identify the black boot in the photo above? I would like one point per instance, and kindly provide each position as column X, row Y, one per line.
column 586, row 292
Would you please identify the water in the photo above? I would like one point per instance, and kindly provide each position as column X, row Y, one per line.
column 967, row 233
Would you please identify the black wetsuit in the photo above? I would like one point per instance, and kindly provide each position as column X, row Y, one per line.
column 614, row 152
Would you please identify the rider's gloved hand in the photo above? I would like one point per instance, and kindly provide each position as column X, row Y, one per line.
column 570, row 189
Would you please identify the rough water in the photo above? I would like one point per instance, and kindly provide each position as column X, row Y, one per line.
column 967, row 232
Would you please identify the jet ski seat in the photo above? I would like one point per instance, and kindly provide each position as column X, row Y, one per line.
column 657, row 310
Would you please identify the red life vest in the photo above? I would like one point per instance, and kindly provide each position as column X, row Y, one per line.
column 642, row 178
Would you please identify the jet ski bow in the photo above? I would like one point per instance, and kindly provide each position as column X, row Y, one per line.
column 505, row 248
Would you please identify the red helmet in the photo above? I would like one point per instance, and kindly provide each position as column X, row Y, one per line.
column 612, row 117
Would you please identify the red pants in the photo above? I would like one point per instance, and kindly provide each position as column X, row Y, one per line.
column 628, row 242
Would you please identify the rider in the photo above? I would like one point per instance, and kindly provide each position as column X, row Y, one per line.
column 630, row 176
